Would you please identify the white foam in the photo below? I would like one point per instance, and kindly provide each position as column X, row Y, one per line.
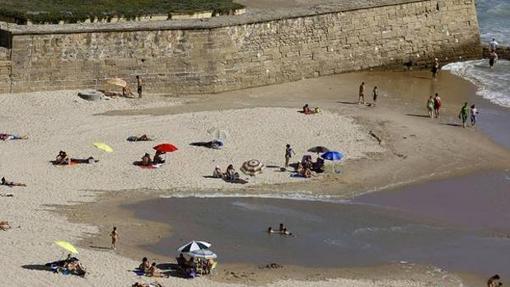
column 492, row 83
column 304, row 196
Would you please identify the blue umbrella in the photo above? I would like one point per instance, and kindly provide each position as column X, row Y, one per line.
column 332, row 155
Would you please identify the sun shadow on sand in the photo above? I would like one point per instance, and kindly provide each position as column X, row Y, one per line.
column 347, row 103
column 100, row 247
column 38, row 267
column 418, row 116
column 452, row 124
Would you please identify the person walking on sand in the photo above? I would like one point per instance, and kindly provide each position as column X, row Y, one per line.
column 375, row 94
column 430, row 106
column 493, row 57
column 435, row 68
column 474, row 114
column 493, row 45
column 361, row 99
column 289, row 152
column 437, row 105
column 115, row 237
column 463, row 114
column 139, row 85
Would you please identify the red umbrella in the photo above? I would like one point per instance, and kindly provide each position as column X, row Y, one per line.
column 166, row 147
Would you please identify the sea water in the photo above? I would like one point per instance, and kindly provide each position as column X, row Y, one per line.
column 494, row 21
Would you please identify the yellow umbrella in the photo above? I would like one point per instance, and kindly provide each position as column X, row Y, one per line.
column 103, row 146
column 67, row 246
column 117, row 82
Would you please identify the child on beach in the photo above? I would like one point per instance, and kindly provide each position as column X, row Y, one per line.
column 463, row 114
column 115, row 236
column 288, row 154
column 474, row 113
column 430, row 106
column 437, row 105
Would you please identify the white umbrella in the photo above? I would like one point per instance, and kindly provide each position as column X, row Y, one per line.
column 193, row 246
column 204, row 253
column 217, row 133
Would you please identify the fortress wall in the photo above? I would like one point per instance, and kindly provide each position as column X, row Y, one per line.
column 218, row 57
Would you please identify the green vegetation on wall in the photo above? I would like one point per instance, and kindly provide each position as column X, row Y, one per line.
column 72, row 11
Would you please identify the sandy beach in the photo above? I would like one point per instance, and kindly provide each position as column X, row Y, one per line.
column 259, row 123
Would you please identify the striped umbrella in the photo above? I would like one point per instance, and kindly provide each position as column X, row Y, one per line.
column 252, row 167
column 202, row 253
column 194, row 246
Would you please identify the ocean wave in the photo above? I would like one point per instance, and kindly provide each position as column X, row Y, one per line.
column 304, row 196
column 492, row 83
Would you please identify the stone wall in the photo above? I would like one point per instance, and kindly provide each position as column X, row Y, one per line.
column 245, row 51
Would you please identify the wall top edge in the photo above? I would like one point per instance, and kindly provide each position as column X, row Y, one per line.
column 252, row 16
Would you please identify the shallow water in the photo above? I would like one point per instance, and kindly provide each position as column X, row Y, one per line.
column 493, row 18
column 448, row 223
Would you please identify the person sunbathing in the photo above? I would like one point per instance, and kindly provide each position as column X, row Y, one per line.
column 4, row 225
column 146, row 160
column 11, row 183
column 88, row 160
column 231, row 173
column 306, row 109
column 158, row 159
column 217, row 173
column 145, row 265
column 154, row 271
column 142, row 138
column 62, row 158
column 7, row 137
column 75, row 267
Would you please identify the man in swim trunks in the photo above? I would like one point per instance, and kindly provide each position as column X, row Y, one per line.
column 361, row 99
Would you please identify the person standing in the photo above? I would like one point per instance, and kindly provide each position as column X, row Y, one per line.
column 435, row 68
column 139, row 85
column 288, row 154
column 115, row 236
column 474, row 114
column 493, row 45
column 375, row 94
column 437, row 105
column 493, row 57
column 463, row 114
column 361, row 99
column 430, row 106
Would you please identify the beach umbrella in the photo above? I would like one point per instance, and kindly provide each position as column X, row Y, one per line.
column 67, row 246
column 103, row 147
column 194, row 246
column 217, row 133
column 252, row 167
column 202, row 253
column 165, row 147
column 318, row 149
column 332, row 155
column 117, row 82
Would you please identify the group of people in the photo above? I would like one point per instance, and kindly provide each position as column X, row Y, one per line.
column 195, row 266
column 306, row 166
column 229, row 175
column 71, row 265
column 494, row 281
column 282, row 230
column 470, row 112
column 156, row 160
column 361, row 98
column 434, row 105
column 150, row 269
